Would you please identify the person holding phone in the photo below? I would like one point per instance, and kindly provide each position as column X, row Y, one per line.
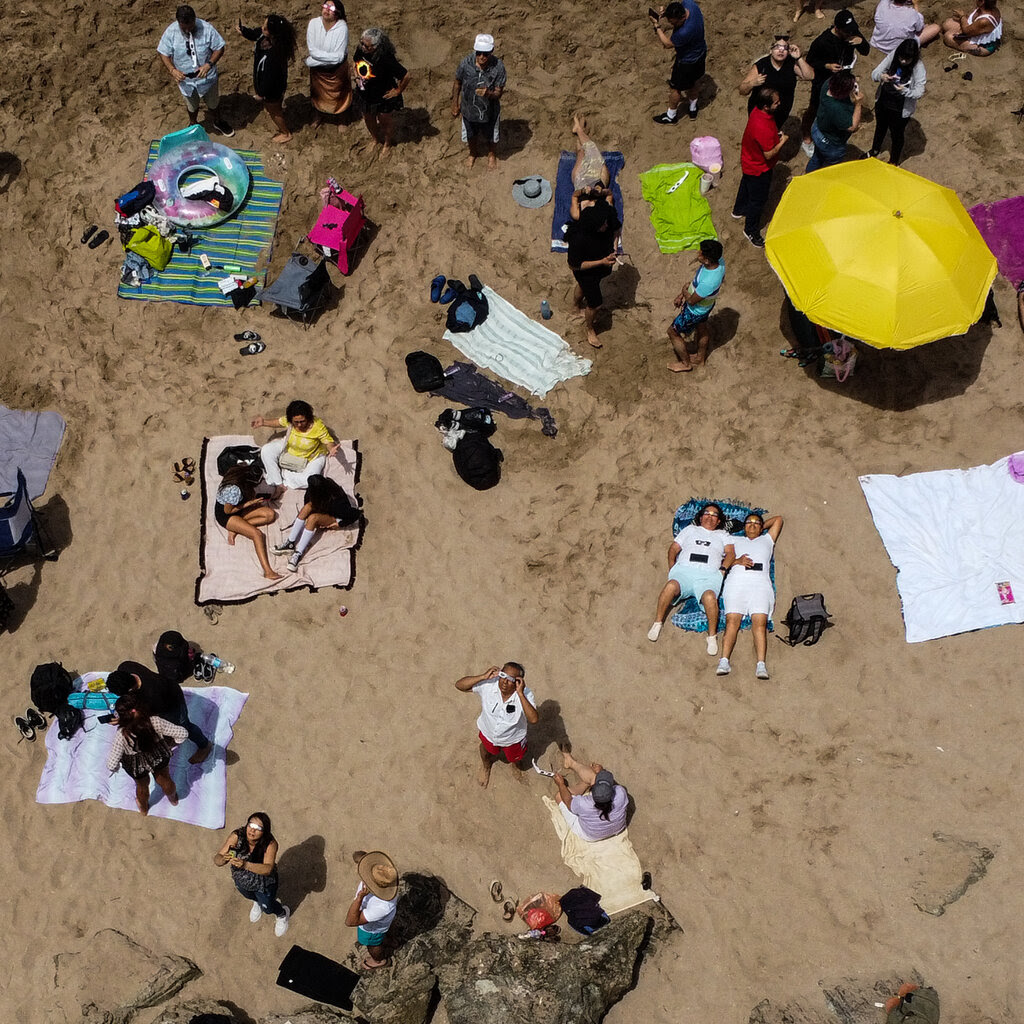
column 251, row 852
column 759, row 153
column 902, row 81
column 687, row 39
column 838, row 118
column 507, row 707
column 779, row 69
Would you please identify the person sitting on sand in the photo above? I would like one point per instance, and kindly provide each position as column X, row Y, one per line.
column 896, row 20
column 144, row 744
column 590, row 169
column 978, row 33
column 326, row 507
column 695, row 570
column 695, row 303
column 374, row 906
column 330, row 77
column 302, row 451
column 252, row 853
column 508, row 706
column 380, row 80
column 274, row 50
column 240, row 510
column 596, row 806
column 476, row 94
column 806, row 5
column 592, row 238
column 748, row 588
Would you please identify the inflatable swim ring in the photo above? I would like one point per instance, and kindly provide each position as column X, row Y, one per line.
column 168, row 172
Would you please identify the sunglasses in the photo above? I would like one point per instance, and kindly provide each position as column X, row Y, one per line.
column 782, row 39
column 255, row 828
column 511, row 679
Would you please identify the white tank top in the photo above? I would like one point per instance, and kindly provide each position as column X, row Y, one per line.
column 989, row 37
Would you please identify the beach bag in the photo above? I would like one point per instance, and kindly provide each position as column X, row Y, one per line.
column 174, row 657
column 50, row 686
column 135, row 200
column 425, row 371
column 541, row 910
column 69, row 721
column 92, row 700
column 477, row 461
column 241, row 455
column 807, row 619
column 467, row 310
column 913, row 1005
column 148, row 243
column 706, row 153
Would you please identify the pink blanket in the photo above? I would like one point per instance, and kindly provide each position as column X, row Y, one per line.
column 230, row 574
column 1002, row 226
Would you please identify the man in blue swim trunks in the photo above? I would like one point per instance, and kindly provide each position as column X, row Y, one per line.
column 695, row 303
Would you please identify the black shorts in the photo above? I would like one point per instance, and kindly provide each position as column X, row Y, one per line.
column 220, row 515
column 590, row 284
column 686, row 76
column 479, row 130
column 383, row 106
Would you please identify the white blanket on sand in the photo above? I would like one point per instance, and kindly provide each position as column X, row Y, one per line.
column 609, row 867
column 76, row 769
column 518, row 348
column 956, row 537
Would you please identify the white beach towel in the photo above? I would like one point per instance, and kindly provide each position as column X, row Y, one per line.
column 609, row 867
column 955, row 536
column 518, row 348
column 76, row 769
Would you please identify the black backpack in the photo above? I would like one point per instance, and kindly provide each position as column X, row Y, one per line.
column 477, row 461
column 69, row 721
column 50, row 686
column 241, row 455
column 135, row 200
column 806, row 620
column 915, row 1006
column 425, row 371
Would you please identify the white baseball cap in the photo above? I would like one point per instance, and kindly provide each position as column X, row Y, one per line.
column 484, row 43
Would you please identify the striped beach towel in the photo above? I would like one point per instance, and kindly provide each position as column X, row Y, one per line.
column 244, row 241
column 518, row 348
column 680, row 215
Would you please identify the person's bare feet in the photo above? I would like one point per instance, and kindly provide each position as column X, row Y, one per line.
column 680, row 367
column 173, row 799
column 470, row 160
column 579, row 123
column 282, row 138
column 819, row 13
column 592, row 340
column 272, row 575
column 492, row 162
column 231, row 539
column 484, row 775
column 201, row 754
column 385, row 151
column 142, row 806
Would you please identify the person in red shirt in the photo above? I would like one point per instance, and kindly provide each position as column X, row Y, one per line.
column 759, row 153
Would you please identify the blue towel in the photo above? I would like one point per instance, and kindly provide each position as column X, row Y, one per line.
column 615, row 161
column 691, row 615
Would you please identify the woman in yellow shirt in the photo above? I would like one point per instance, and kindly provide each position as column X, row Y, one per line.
column 291, row 460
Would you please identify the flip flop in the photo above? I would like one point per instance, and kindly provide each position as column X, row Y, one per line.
column 375, row 967
column 253, row 348
column 99, row 239
column 437, row 286
column 453, row 289
column 496, row 891
column 188, row 465
column 87, row 233
column 508, row 911
column 247, row 336
column 790, row 353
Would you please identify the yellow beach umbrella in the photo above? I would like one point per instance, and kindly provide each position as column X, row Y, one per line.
column 880, row 254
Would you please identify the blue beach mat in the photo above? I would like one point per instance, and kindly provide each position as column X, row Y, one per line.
column 245, row 241
column 614, row 161
column 691, row 615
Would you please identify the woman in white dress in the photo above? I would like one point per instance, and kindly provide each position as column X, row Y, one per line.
column 748, row 587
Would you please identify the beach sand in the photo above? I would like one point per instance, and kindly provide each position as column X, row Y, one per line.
column 783, row 822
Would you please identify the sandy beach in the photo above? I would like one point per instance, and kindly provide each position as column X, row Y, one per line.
column 785, row 823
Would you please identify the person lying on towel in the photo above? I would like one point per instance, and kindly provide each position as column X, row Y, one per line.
column 595, row 807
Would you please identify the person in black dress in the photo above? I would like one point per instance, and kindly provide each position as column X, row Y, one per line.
column 274, row 50
column 380, row 80
column 593, row 238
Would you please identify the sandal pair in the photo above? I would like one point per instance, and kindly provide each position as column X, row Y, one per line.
column 184, row 471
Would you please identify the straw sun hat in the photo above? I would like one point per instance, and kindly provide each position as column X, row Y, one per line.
column 379, row 874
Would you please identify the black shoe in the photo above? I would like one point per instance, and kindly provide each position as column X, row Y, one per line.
column 35, row 719
column 665, row 119
column 739, row 216
column 754, row 239
column 691, row 113
column 223, row 127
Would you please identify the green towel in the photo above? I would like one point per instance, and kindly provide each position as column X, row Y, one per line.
column 681, row 219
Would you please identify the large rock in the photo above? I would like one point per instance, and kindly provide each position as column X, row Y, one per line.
column 86, row 988
column 507, row 980
column 849, row 1000
column 947, row 868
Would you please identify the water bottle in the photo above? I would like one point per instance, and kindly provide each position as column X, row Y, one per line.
column 545, row 309
column 219, row 665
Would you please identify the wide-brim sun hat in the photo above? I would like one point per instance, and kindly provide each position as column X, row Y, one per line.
column 377, row 859
column 532, row 191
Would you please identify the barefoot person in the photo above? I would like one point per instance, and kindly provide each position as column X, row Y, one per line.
column 476, row 94
column 330, row 77
column 595, row 807
column 695, row 570
column 508, row 706
column 695, row 303
column 807, row 5
column 374, row 906
column 240, row 510
column 978, row 33
column 252, row 853
column 592, row 240
column 748, row 588
column 380, row 80
column 143, row 745
column 590, row 168
column 273, row 51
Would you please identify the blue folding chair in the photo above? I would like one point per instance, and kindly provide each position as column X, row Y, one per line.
column 20, row 526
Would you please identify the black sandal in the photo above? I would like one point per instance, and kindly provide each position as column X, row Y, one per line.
column 87, row 233
column 99, row 239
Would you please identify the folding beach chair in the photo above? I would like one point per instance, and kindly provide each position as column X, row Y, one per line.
column 339, row 227
column 301, row 289
column 20, row 526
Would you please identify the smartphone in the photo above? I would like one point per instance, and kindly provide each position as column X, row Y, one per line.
column 651, row 12
column 105, row 719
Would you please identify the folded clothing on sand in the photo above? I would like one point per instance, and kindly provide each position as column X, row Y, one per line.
column 231, row 574
column 614, row 161
column 680, row 215
column 956, row 537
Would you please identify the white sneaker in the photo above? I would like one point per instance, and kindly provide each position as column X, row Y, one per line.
column 255, row 914
column 762, row 671
column 654, row 632
column 808, row 148
column 724, row 668
column 712, row 645
column 281, row 924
